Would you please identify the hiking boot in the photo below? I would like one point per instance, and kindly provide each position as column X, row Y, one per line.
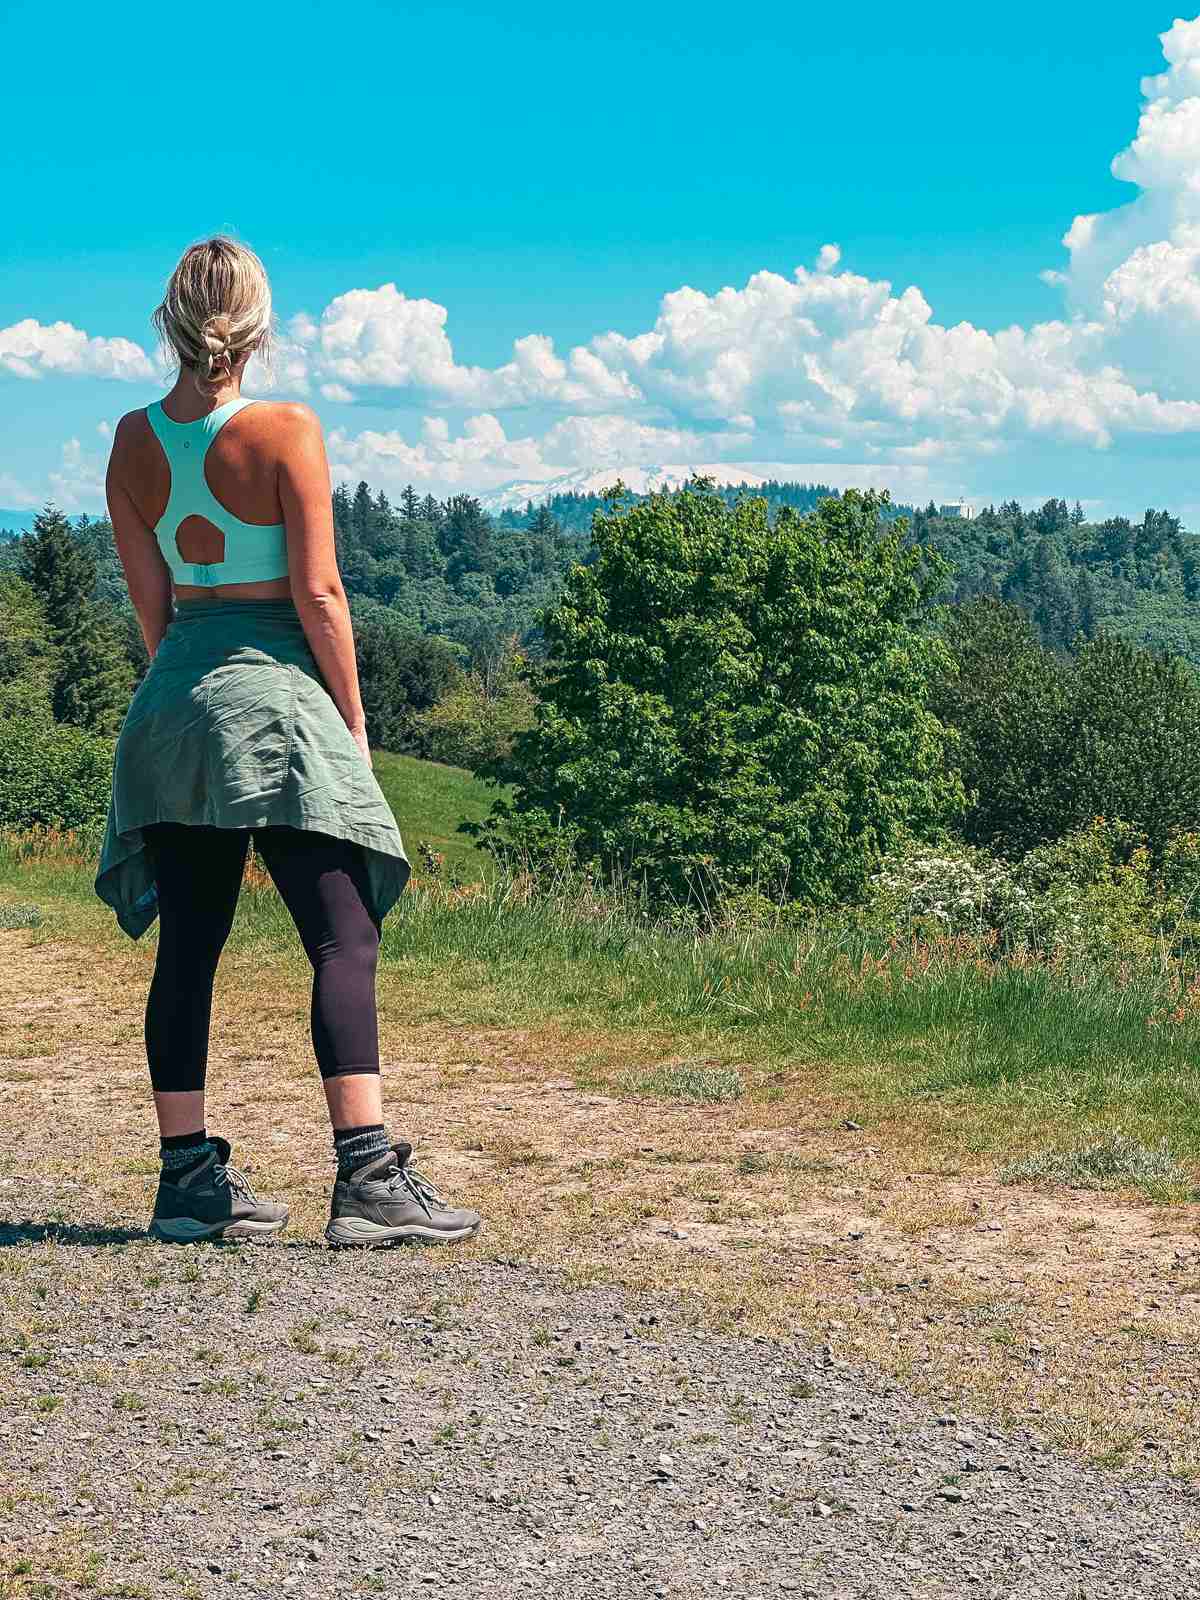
column 386, row 1202
column 213, row 1201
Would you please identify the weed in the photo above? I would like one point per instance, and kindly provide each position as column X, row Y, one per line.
column 699, row 1083
column 1117, row 1162
column 739, row 1410
column 303, row 1337
column 18, row 916
column 225, row 1386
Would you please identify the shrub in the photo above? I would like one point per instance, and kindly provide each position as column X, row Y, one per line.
column 476, row 720
column 952, row 889
column 53, row 776
column 1179, row 888
column 1092, row 894
column 20, row 916
column 1095, row 891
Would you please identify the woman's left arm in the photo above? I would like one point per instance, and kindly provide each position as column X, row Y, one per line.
column 146, row 573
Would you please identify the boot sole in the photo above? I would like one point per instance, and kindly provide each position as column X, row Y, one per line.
column 357, row 1233
column 189, row 1230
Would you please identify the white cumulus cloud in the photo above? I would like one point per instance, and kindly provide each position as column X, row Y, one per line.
column 77, row 483
column 382, row 339
column 1136, row 269
column 481, row 454
column 30, row 349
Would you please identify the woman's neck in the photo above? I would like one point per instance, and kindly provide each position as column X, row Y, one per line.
column 186, row 404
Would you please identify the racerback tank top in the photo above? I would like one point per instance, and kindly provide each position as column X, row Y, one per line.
column 254, row 552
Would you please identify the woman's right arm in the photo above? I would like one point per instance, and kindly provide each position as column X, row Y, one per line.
column 305, row 494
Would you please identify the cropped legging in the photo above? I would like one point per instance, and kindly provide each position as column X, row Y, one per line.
column 322, row 881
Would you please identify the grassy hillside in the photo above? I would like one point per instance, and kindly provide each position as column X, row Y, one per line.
column 429, row 801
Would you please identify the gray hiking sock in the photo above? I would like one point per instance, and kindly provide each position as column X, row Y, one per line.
column 353, row 1147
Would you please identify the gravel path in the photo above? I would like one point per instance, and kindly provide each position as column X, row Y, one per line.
column 282, row 1420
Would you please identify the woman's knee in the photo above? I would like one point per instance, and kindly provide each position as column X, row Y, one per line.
column 189, row 951
column 353, row 948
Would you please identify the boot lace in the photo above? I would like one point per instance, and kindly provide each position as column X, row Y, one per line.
column 234, row 1178
column 419, row 1187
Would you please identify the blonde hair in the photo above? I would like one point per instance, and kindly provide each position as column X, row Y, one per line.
column 217, row 308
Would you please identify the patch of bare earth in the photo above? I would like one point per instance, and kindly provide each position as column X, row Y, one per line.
column 1079, row 1311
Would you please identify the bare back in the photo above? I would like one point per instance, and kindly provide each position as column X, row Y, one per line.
column 242, row 468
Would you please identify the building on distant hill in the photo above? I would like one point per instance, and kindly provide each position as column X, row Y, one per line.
column 957, row 508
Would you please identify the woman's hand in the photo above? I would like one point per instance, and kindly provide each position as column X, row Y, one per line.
column 360, row 739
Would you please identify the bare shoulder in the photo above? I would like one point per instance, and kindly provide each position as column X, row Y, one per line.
column 291, row 419
column 129, row 438
column 133, row 426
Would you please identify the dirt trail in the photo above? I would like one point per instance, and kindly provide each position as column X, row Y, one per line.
column 317, row 1403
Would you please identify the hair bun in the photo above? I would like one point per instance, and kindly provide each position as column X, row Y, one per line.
column 216, row 311
column 217, row 335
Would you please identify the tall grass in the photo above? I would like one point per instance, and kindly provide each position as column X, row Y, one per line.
column 998, row 1050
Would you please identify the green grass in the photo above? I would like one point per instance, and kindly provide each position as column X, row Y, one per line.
column 19, row 916
column 429, row 801
column 989, row 1059
column 1117, row 1162
column 697, row 1083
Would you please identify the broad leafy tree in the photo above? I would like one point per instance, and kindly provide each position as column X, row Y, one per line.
column 729, row 703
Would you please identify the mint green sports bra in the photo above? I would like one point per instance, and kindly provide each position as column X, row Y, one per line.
column 254, row 553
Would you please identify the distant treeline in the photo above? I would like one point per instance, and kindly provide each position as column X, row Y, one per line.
column 445, row 568
column 1072, row 577
column 574, row 512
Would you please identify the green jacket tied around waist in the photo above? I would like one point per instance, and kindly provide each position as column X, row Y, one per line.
column 234, row 727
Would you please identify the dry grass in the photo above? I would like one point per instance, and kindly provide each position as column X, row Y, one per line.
column 53, row 1565
column 765, row 1214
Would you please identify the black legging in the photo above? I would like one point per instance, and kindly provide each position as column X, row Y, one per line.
column 322, row 881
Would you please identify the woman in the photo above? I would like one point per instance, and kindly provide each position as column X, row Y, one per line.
column 248, row 723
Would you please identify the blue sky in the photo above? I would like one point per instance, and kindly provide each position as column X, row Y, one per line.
column 624, row 194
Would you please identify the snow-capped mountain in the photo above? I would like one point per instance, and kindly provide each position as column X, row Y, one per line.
column 592, row 480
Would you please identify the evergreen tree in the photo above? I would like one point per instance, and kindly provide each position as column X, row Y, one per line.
column 92, row 681
column 465, row 537
column 1003, row 694
column 1053, row 604
column 362, row 514
column 401, row 674
column 59, row 568
column 422, row 557
column 1087, row 607
column 93, row 684
column 28, row 658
